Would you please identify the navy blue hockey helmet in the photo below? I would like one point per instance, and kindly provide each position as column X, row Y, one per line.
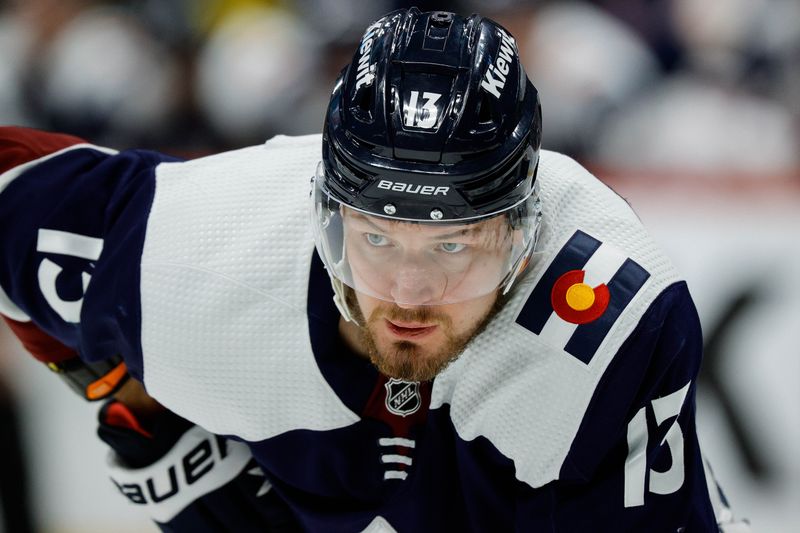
column 433, row 122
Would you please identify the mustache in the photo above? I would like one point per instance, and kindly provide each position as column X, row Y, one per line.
column 426, row 315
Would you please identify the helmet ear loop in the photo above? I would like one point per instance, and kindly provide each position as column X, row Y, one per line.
column 340, row 300
column 339, row 293
column 339, row 296
column 516, row 222
column 519, row 266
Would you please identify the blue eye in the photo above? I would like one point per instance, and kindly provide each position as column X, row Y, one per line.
column 452, row 247
column 376, row 239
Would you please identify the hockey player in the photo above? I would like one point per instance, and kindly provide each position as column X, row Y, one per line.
column 484, row 337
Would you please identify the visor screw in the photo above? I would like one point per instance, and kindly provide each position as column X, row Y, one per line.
column 389, row 209
column 437, row 214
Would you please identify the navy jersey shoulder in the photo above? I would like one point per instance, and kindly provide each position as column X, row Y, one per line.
column 72, row 224
column 636, row 454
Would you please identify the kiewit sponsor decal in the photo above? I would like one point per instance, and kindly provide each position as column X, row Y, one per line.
column 495, row 77
column 412, row 188
column 366, row 70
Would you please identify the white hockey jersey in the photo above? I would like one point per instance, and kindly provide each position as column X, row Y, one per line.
column 203, row 276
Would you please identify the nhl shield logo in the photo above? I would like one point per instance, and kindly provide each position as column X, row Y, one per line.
column 402, row 397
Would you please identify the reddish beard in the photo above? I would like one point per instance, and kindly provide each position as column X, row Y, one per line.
column 405, row 359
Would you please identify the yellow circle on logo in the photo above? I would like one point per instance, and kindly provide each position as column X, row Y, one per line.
column 580, row 297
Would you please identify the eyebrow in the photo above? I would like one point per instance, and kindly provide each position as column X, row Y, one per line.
column 450, row 235
column 362, row 218
column 458, row 233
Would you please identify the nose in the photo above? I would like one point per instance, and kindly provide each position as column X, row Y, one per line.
column 413, row 285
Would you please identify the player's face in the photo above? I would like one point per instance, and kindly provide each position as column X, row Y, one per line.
column 422, row 291
column 415, row 343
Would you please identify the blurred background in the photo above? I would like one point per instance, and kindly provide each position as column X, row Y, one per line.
column 688, row 108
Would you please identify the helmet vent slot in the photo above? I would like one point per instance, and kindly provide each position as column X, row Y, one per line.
column 484, row 110
column 366, row 101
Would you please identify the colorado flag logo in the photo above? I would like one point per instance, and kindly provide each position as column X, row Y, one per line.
column 581, row 294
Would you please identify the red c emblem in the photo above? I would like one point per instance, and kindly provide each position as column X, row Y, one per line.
column 576, row 302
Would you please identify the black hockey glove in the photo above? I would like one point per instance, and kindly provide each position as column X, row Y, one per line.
column 187, row 479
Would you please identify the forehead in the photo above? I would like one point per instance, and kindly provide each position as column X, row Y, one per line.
column 387, row 225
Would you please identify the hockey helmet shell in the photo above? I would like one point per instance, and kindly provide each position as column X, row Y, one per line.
column 433, row 122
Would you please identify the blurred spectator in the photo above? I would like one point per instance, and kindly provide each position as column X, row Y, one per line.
column 15, row 42
column 253, row 73
column 103, row 76
column 690, row 125
column 749, row 44
column 586, row 64
column 340, row 21
column 652, row 20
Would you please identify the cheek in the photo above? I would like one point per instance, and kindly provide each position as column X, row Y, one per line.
column 366, row 304
column 467, row 315
column 367, row 273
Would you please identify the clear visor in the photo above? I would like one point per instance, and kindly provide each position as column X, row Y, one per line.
column 421, row 263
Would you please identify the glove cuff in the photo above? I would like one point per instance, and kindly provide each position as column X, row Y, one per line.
column 136, row 444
